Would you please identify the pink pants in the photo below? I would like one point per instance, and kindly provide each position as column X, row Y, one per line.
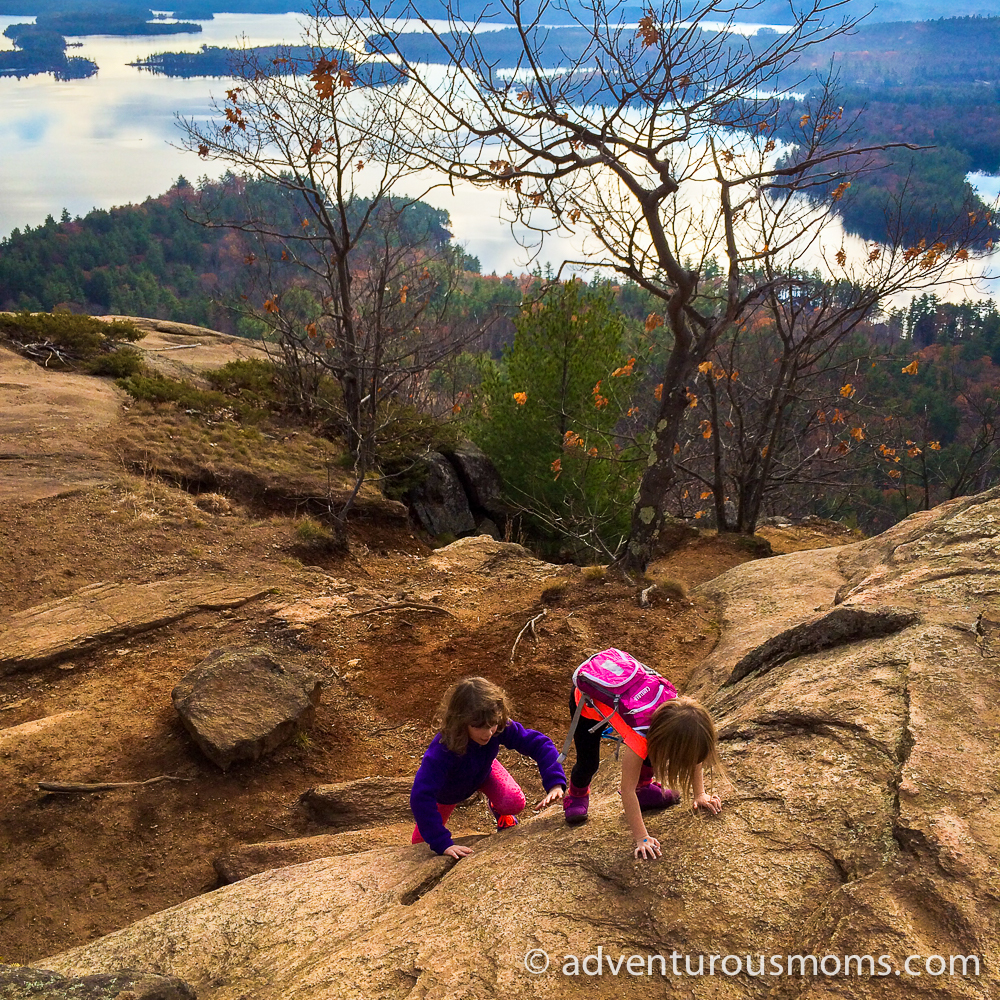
column 500, row 788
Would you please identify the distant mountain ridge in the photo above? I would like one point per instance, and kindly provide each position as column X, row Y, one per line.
column 765, row 12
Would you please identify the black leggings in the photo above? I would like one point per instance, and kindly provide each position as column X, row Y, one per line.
column 588, row 748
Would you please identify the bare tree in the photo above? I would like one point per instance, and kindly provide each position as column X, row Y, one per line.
column 350, row 277
column 659, row 144
column 772, row 410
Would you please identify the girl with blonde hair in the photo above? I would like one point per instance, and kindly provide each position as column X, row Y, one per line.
column 665, row 737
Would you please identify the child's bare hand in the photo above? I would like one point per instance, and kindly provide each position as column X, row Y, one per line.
column 648, row 847
column 710, row 802
column 554, row 795
column 457, row 851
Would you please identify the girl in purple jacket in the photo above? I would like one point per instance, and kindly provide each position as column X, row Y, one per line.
column 475, row 722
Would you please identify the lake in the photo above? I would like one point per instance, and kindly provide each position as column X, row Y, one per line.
column 112, row 139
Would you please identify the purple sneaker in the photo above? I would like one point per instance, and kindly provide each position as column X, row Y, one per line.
column 653, row 795
column 575, row 803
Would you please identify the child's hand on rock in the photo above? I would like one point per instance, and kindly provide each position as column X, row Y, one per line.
column 710, row 802
column 457, row 851
column 554, row 795
column 648, row 847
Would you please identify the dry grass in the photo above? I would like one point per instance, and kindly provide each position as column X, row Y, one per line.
column 269, row 465
column 668, row 587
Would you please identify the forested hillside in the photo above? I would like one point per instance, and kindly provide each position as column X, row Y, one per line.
column 153, row 259
column 929, row 83
column 898, row 414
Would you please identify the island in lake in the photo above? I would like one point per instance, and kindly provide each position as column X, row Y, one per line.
column 41, row 47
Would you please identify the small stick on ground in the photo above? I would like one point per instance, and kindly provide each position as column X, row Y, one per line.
column 530, row 627
column 403, row 606
column 644, row 596
column 68, row 787
column 175, row 347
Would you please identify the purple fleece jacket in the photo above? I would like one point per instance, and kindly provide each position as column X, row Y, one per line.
column 447, row 777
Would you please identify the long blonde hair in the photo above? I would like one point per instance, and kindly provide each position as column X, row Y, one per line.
column 681, row 736
column 472, row 701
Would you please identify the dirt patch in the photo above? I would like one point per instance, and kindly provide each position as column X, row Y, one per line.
column 76, row 867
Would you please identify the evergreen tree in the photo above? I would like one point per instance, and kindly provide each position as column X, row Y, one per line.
column 552, row 415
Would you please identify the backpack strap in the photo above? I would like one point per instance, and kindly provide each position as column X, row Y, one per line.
column 590, row 708
column 581, row 704
column 635, row 742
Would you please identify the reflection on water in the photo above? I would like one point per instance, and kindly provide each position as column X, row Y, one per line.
column 112, row 139
column 107, row 140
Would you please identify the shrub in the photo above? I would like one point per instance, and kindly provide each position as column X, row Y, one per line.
column 251, row 380
column 152, row 387
column 671, row 589
column 77, row 338
column 120, row 363
column 310, row 532
column 550, row 415
column 316, row 539
column 408, row 434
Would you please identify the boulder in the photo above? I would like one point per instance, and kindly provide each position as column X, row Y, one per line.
column 349, row 805
column 240, row 704
column 485, row 526
column 485, row 556
column 480, row 479
column 107, row 612
column 439, row 503
column 861, row 818
column 282, row 934
column 18, row 982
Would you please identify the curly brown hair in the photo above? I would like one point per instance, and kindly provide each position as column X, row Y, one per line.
column 681, row 736
column 472, row 701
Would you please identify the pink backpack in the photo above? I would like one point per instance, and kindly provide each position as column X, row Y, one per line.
column 624, row 684
column 627, row 691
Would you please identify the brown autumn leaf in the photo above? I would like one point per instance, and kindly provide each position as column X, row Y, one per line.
column 648, row 32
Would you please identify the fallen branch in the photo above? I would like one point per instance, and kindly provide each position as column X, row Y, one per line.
column 175, row 347
column 530, row 627
column 45, row 352
column 403, row 606
column 644, row 596
column 390, row 729
column 67, row 787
